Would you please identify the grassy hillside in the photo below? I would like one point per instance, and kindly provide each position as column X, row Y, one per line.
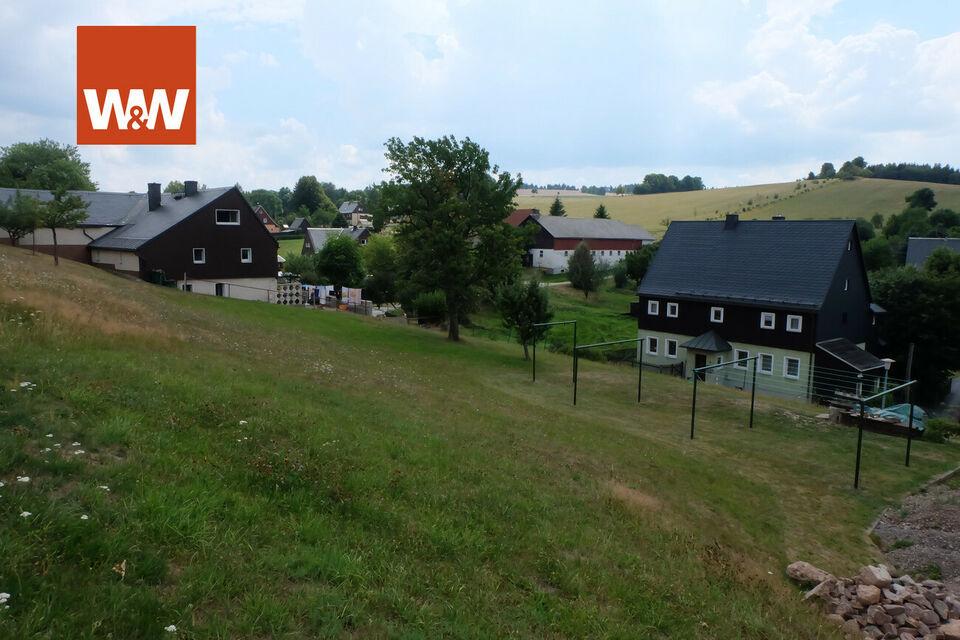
column 290, row 245
column 814, row 199
column 252, row 471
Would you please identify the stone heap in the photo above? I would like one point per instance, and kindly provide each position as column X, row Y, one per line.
column 875, row 604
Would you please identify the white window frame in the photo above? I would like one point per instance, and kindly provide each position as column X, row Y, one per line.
column 655, row 351
column 768, row 315
column 676, row 309
column 760, row 368
column 216, row 216
column 737, row 356
column 799, row 320
column 249, row 251
column 713, row 315
column 676, row 348
column 203, row 255
column 653, row 307
column 785, row 374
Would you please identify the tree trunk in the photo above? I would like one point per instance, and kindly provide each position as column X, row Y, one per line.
column 526, row 353
column 453, row 324
column 56, row 258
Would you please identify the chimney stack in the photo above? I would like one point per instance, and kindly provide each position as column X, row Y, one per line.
column 731, row 222
column 189, row 188
column 153, row 196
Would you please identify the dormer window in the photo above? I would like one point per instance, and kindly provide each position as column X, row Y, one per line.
column 673, row 309
column 653, row 307
column 228, row 216
column 716, row 314
column 768, row 320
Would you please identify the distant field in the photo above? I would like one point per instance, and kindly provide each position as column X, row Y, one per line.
column 290, row 245
column 814, row 199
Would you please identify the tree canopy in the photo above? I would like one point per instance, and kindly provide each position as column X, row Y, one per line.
column 65, row 211
column 339, row 262
column 309, row 193
column 583, row 271
column 269, row 199
column 174, row 186
column 380, row 259
column 521, row 305
column 45, row 164
column 450, row 204
column 637, row 262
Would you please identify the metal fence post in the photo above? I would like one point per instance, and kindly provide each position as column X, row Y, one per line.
column 693, row 407
column 574, row 376
column 753, row 390
column 909, row 427
column 574, row 352
column 534, row 358
column 640, row 367
column 856, row 474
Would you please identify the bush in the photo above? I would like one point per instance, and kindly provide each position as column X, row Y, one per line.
column 431, row 306
column 303, row 266
column 620, row 277
column 939, row 430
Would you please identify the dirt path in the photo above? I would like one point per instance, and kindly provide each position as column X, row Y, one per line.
column 922, row 537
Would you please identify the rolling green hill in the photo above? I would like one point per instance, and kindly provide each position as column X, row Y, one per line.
column 814, row 199
column 246, row 470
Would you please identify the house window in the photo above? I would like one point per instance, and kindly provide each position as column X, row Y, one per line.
column 566, row 253
column 673, row 309
column 716, row 314
column 228, row 216
column 199, row 255
column 768, row 320
column 220, row 289
column 671, row 348
column 765, row 363
column 246, row 254
column 740, row 354
column 846, row 285
column 653, row 307
column 653, row 345
column 541, row 253
column 188, row 287
column 791, row 368
column 794, row 324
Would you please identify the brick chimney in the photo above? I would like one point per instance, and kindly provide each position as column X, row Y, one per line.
column 153, row 196
column 731, row 222
column 189, row 188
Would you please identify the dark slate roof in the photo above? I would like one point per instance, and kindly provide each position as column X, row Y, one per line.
column 147, row 225
column 592, row 228
column 104, row 208
column 785, row 262
column 708, row 341
column 349, row 206
column 919, row 249
column 298, row 223
column 845, row 351
column 319, row 235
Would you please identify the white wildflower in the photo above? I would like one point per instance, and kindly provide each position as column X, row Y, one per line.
column 243, row 422
column 79, row 452
column 172, row 628
column 23, row 479
column 84, row 517
column 4, row 596
column 25, row 514
column 57, row 445
column 2, row 484
column 104, row 487
column 49, row 435
column 25, row 384
column 47, row 449
column 75, row 444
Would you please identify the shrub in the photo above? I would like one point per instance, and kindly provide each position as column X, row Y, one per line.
column 620, row 277
column 939, row 430
column 431, row 306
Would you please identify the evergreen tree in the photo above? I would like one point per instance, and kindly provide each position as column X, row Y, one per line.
column 556, row 209
column 601, row 213
column 583, row 271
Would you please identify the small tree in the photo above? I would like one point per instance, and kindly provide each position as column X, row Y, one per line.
column 827, row 171
column 877, row 220
column 637, row 262
column 521, row 305
column 811, row 176
column 878, row 254
column 556, row 209
column 921, row 199
column 174, row 186
column 601, row 213
column 339, row 263
column 620, row 277
column 19, row 216
column 583, row 271
column 380, row 258
column 65, row 211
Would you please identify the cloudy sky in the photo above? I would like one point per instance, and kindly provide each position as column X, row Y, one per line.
column 738, row 92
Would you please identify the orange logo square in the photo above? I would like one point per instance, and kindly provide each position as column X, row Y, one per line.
column 136, row 85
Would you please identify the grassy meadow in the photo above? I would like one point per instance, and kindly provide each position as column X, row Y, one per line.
column 290, row 245
column 813, row 199
column 244, row 470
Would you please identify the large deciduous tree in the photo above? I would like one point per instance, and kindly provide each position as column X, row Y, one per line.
column 65, row 211
column 583, row 271
column 521, row 305
column 45, row 164
column 450, row 203
column 309, row 193
column 19, row 216
column 380, row 259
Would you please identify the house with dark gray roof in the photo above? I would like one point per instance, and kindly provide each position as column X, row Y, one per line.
column 556, row 237
column 792, row 293
column 354, row 214
column 919, row 249
column 316, row 237
column 204, row 240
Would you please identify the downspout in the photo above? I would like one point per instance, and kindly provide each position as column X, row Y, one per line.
column 810, row 368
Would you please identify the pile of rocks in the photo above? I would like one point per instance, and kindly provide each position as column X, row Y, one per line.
column 875, row 604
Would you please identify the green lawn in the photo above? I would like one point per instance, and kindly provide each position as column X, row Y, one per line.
column 814, row 199
column 290, row 245
column 284, row 472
